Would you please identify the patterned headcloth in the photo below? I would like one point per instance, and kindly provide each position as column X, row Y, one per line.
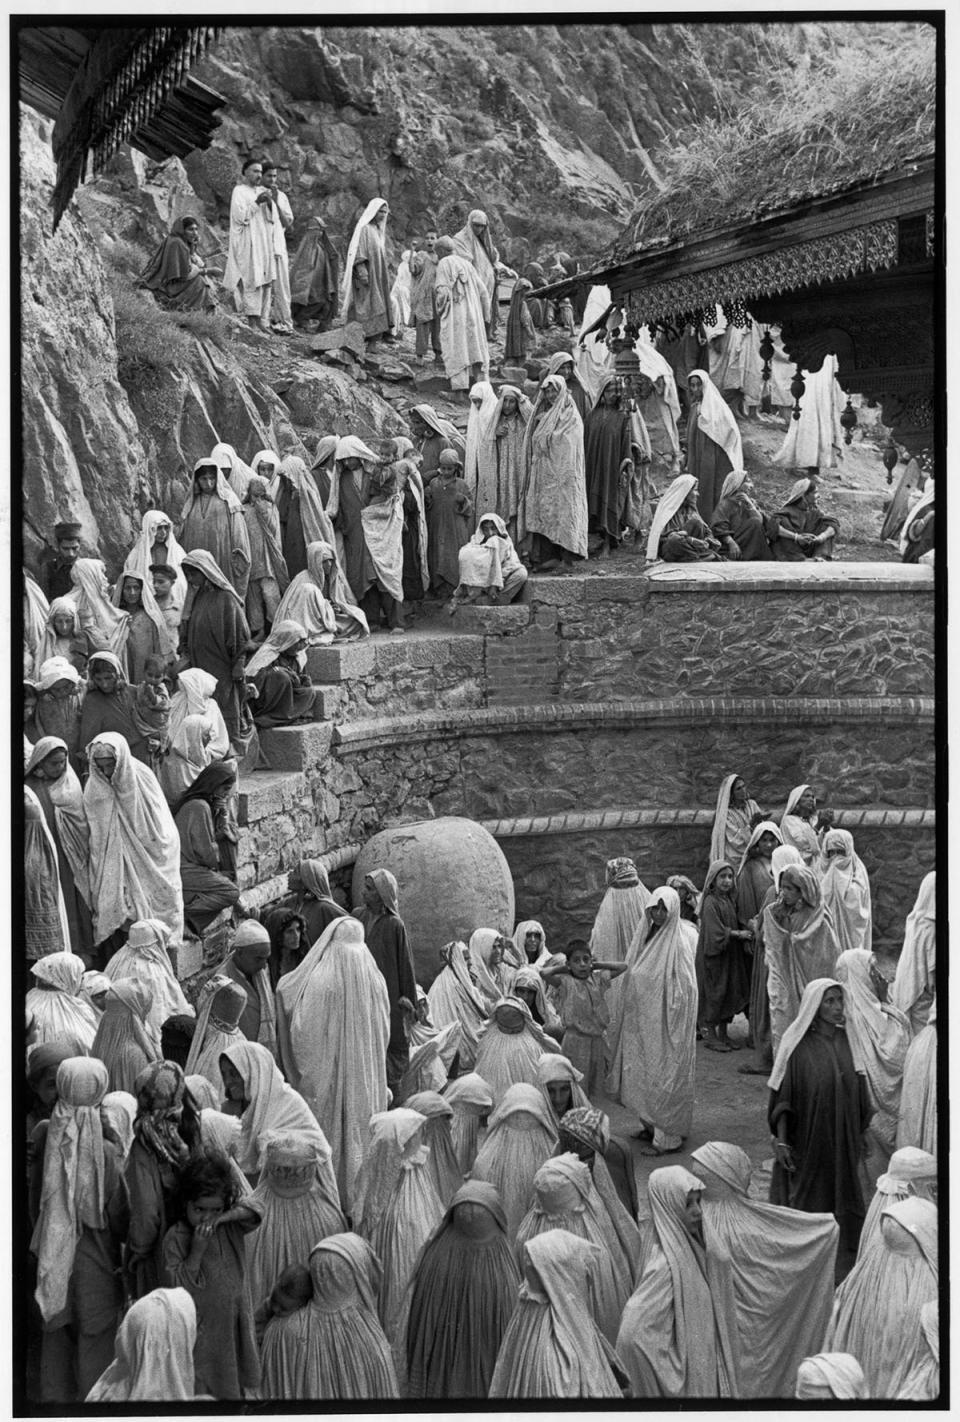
column 621, row 874
column 588, row 1126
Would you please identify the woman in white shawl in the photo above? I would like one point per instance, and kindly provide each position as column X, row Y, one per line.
column 333, row 1024
column 880, row 1034
column 876, row 1310
column 297, row 1195
column 619, row 916
column 220, row 1006
column 846, row 891
column 46, row 927
column 453, row 997
column 145, row 957
column 105, row 626
column 36, row 612
column 153, row 1352
column 187, row 756
column 232, row 467
column 381, row 520
column 213, row 521
column 195, row 696
column 365, row 288
column 797, row 828
column 55, row 1010
column 471, row 1101
column 529, row 947
column 677, row 1337
column 148, row 632
column 124, row 1042
column 511, row 1046
column 258, row 1094
column 520, row 1137
column 911, row 1172
column 659, row 403
column 917, row 1124
column 474, row 243
column 134, row 844
column 916, row 981
column 322, row 601
column 150, row 549
column 782, row 1264
column 66, row 643
column 733, row 820
column 799, row 942
column 249, row 271
column 490, row 565
column 483, row 406
column 500, row 464
column 493, row 975
column 464, row 309
column 653, row 1038
column 922, row 1383
column 78, row 1236
column 56, row 786
column 552, row 1347
column 553, row 504
column 714, row 446
column 443, row 1166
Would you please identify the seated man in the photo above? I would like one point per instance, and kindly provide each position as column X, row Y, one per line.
column 801, row 529
column 490, row 567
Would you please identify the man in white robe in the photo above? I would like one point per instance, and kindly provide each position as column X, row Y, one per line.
column 464, row 309
column 250, row 265
column 282, row 317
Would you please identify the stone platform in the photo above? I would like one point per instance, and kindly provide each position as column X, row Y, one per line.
column 598, row 716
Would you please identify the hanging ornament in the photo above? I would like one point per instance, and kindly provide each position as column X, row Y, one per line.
column 797, row 389
column 849, row 422
column 890, row 456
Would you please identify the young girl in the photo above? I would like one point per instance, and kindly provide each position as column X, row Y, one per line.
column 205, row 1254
column 152, row 710
column 722, row 972
column 580, row 993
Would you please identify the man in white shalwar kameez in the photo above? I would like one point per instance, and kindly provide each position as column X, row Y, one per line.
column 250, row 265
column 281, row 314
column 464, row 309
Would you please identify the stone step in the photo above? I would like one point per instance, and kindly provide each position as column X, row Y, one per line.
column 302, row 747
column 269, row 792
column 427, row 669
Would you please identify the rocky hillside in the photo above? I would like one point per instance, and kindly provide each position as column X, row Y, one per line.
column 556, row 131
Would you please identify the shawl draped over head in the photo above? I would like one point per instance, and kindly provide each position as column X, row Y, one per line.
column 554, row 498
column 393, row 1136
column 518, row 955
column 194, row 696
column 306, row 599
column 492, row 982
column 553, row 1066
column 315, row 268
column 334, row 1009
column 240, row 473
column 153, row 1353
column 221, row 1004
column 283, row 635
column 272, row 1104
column 481, row 253
column 799, row 950
column 60, row 1015
column 800, row 1026
column 42, row 857
column 910, row 1172
column 717, row 420
column 123, row 1041
column 723, row 844
column 453, row 998
column 72, row 1193
column 144, row 956
column 756, row 834
column 782, row 856
column 830, row 1374
column 38, row 623
column 918, row 510
column 505, row 1058
column 846, row 891
column 520, row 1137
column 782, row 1263
column 47, row 638
column 915, row 982
column 366, row 217
column 140, row 557
column 671, row 502
column 677, row 1337
column 117, row 1112
column 134, row 844
column 470, row 1098
column 263, row 512
column 478, row 426
column 225, row 454
column 880, row 1035
column 97, row 613
column 159, row 1091
column 620, row 914
column 554, row 1349
column 166, row 641
column 203, row 562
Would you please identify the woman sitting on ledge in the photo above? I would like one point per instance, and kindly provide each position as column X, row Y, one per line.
column 801, row 529
column 176, row 274
column 322, row 601
column 284, row 693
column 678, row 534
column 739, row 523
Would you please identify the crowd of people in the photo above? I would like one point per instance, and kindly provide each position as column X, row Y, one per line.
column 313, row 1179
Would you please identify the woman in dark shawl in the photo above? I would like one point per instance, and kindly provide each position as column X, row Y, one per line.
column 463, row 1295
column 819, row 1109
column 215, row 638
column 176, row 274
column 292, row 538
column 608, row 459
column 521, row 334
column 152, row 1171
column 314, row 278
column 801, row 529
column 111, row 705
column 311, row 898
column 541, row 310
column 416, row 569
column 449, row 510
column 284, row 692
column 738, row 523
column 722, row 975
column 208, row 845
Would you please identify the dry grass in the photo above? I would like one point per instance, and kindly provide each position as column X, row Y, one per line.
column 828, row 119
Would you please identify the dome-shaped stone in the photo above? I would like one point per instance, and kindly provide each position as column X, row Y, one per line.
column 452, row 877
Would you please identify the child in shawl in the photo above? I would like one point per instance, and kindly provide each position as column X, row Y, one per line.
column 490, row 568
column 204, row 1253
column 269, row 576
column 580, row 985
column 293, row 1290
column 449, row 514
column 153, row 710
column 723, row 979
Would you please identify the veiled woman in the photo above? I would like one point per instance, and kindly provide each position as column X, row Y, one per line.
column 520, row 1137
column 738, row 522
column 714, row 447
column 56, row 786
column 258, row 1094
column 880, row 1034
column 322, row 600
column 553, row 511
column 846, row 890
column 483, row 405
column 552, row 1346
column 299, row 1204
column 365, row 288
column 314, row 278
column 463, row 1294
column 213, row 521
column 176, row 273
column 471, row 1100
column 819, row 1110
column 501, row 465
column 216, row 639
column 333, row 1024
column 54, row 1008
column 153, row 1359
column 145, row 957
column 124, row 1042
column 800, row 944
column 453, row 997
column 652, row 1040
column 912, row 1173
column 511, row 1046
column 915, row 984
column 620, row 914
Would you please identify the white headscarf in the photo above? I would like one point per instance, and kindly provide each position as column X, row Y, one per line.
column 800, row 1026
column 672, row 501
column 478, row 426
column 240, row 473
column 274, row 1106
column 166, row 640
column 96, row 611
column 223, row 490
column 783, row 855
column 369, row 213
column 144, row 956
column 846, row 891
column 284, row 635
column 839, row 1373
column 717, row 421
column 194, row 696
column 153, row 1353
column 140, row 557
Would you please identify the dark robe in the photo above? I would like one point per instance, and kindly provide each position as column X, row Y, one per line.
column 606, row 444
column 61, row 716
column 675, row 544
column 464, row 1294
column 828, row 1108
column 206, row 888
column 225, row 1355
column 431, row 449
column 721, row 962
column 739, row 518
column 292, row 541
column 412, row 568
column 707, row 462
column 152, row 1189
column 754, row 884
column 216, row 637
column 285, row 694
column 357, row 563
column 175, row 275
column 56, row 576
column 315, row 278
column 79, row 920
column 799, row 520
column 386, row 938
column 916, row 547
column 449, row 511
column 521, row 333
column 116, row 711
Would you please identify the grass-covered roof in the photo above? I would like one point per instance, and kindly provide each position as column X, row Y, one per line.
column 828, row 121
